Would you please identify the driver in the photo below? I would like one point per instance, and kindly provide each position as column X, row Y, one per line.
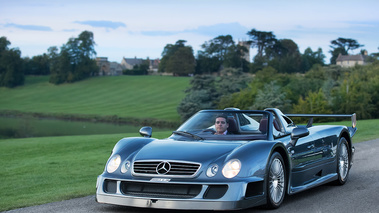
column 221, row 125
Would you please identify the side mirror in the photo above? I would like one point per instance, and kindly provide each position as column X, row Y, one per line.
column 297, row 133
column 146, row 131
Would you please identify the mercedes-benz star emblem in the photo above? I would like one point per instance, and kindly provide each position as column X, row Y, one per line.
column 163, row 168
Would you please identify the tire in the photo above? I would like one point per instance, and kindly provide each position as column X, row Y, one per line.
column 343, row 161
column 276, row 181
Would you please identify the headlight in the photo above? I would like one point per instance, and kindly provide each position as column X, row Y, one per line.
column 212, row 170
column 125, row 166
column 231, row 168
column 113, row 163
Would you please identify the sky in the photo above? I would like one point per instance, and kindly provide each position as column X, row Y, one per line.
column 142, row 28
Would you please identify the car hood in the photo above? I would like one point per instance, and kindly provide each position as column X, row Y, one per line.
column 197, row 151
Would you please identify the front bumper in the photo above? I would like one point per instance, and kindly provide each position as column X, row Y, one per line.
column 233, row 198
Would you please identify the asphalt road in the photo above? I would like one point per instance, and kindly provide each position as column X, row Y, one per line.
column 359, row 194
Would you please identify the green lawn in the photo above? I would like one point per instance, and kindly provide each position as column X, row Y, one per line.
column 125, row 96
column 48, row 169
column 366, row 129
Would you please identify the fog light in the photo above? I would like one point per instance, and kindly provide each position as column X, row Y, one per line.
column 212, row 170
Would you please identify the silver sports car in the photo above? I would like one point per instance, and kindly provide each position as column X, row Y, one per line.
column 227, row 159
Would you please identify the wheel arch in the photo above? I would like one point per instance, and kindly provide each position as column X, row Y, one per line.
column 283, row 152
column 346, row 135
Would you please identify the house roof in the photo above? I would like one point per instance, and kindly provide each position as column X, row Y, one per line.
column 133, row 61
column 358, row 57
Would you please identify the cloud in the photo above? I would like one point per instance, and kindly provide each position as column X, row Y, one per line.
column 102, row 24
column 29, row 27
column 234, row 29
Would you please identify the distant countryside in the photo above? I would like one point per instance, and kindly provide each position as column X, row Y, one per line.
column 70, row 83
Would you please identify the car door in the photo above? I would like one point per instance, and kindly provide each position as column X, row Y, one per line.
column 303, row 159
column 324, row 153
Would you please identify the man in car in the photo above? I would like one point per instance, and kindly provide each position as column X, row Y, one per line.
column 221, row 125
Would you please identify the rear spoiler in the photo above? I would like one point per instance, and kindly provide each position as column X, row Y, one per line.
column 353, row 117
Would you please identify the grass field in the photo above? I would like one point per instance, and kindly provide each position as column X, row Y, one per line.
column 48, row 169
column 125, row 96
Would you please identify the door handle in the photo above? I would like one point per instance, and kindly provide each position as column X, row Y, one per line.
column 311, row 146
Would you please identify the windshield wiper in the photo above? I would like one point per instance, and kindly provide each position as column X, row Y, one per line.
column 182, row 133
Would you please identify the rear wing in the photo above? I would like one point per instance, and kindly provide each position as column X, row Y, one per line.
column 353, row 117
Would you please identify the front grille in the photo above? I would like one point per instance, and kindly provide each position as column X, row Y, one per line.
column 166, row 168
column 160, row 190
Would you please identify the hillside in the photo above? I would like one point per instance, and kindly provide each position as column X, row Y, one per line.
column 124, row 96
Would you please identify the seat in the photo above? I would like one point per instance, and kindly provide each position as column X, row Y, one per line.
column 233, row 126
column 263, row 125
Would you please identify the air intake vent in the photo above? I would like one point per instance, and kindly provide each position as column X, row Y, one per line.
column 160, row 190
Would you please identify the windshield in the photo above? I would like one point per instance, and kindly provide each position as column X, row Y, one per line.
column 226, row 125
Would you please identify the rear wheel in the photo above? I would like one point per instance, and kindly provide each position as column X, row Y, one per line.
column 276, row 181
column 343, row 161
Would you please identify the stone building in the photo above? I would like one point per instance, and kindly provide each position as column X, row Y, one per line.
column 108, row 68
column 351, row 60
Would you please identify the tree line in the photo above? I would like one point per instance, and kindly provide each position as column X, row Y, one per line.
column 323, row 89
column 75, row 61
column 279, row 75
column 223, row 52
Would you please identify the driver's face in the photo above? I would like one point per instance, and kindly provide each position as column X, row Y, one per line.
column 221, row 125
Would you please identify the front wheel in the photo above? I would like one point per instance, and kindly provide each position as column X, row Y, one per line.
column 343, row 161
column 276, row 181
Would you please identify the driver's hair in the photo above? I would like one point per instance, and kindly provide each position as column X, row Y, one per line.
column 222, row 116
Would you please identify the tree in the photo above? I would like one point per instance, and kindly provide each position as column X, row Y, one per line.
column 182, row 63
column 342, row 46
column 201, row 95
column 232, row 80
column 60, row 66
column 168, row 51
column 314, row 103
column 375, row 55
column 37, row 65
column 178, row 59
column 357, row 92
column 284, row 56
column 261, row 40
column 310, row 58
column 4, row 43
column 220, row 52
column 207, row 65
column 346, row 44
column 75, row 61
column 353, row 96
column 234, row 58
column 245, row 98
column 11, row 64
column 270, row 96
column 218, row 47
